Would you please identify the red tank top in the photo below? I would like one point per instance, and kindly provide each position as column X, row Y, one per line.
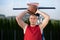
column 33, row 33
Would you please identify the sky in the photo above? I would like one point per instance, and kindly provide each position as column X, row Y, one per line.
column 6, row 7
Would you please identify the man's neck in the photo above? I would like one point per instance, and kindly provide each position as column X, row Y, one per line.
column 32, row 25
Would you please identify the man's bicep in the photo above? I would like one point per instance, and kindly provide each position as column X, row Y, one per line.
column 21, row 23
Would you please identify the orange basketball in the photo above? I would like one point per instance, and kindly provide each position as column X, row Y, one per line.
column 32, row 8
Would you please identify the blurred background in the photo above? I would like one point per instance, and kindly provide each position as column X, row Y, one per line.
column 10, row 30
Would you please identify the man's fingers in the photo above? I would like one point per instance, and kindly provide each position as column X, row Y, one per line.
column 29, row 4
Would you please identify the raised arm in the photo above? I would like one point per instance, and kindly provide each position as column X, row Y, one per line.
column 19, row 19
column 45, row 21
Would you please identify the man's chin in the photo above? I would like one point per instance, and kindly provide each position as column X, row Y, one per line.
column 32, row 24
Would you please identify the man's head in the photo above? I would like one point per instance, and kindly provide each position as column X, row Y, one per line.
column 33, row 19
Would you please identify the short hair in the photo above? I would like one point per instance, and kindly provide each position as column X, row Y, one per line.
column 35, row 14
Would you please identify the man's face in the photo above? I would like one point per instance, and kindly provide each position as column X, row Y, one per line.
column 33, row 19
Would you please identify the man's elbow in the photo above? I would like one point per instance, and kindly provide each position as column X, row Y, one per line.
column 17, row 18
column 48, row 17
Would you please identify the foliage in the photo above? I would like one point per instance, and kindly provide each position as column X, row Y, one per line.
column 10, row 26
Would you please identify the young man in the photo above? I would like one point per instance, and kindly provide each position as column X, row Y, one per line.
column 33, row 31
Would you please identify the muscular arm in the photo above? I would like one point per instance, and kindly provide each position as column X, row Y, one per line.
column 20, row 21
column 45, row 21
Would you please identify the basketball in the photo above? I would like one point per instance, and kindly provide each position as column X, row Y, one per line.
column 32, row 8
